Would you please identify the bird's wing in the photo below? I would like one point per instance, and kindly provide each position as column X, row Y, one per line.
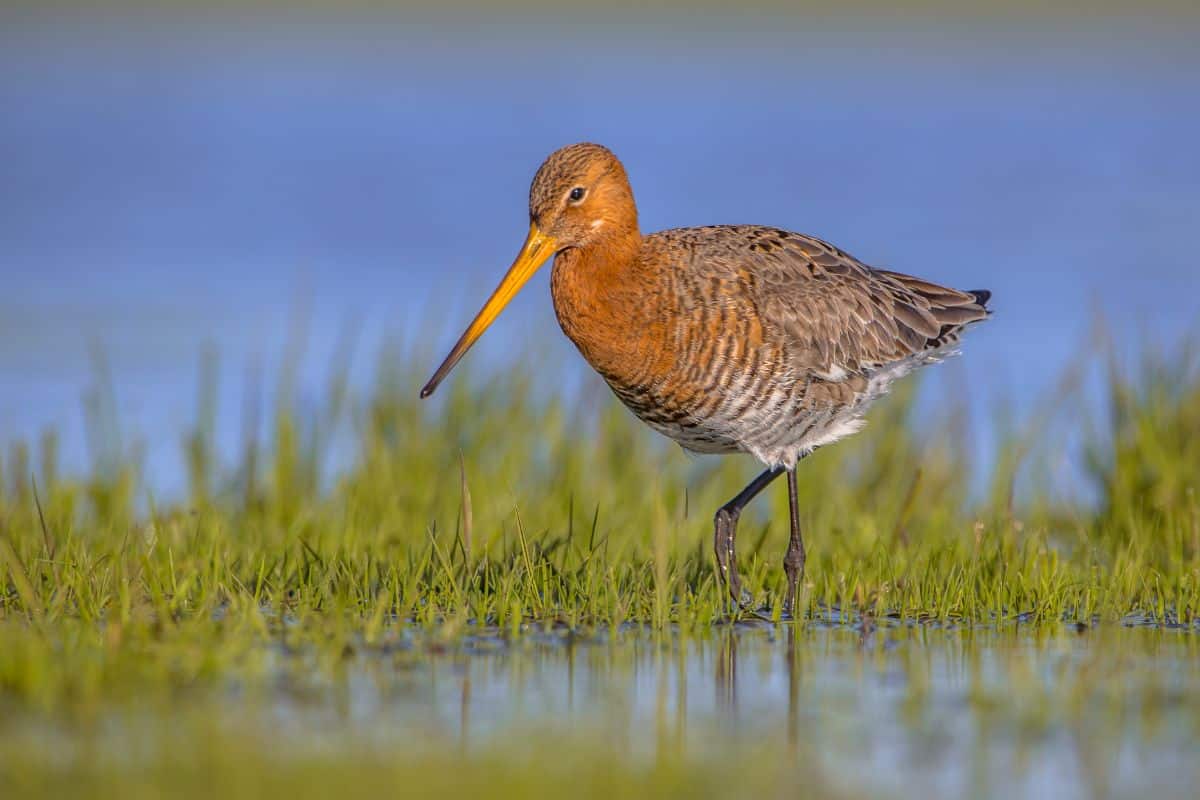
column 836, row 314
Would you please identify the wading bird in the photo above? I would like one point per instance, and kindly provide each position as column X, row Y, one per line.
column 729, row 338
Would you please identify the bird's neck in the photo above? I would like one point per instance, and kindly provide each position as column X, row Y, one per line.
column 604, row 298
column 612, row 257
column 587, row 280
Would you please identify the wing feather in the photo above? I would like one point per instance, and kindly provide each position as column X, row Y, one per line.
column 834, row 314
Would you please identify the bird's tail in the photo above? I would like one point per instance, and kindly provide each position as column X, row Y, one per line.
column 951, row 309
column 981, row 297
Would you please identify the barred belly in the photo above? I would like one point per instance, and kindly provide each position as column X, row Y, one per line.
column 769, row 416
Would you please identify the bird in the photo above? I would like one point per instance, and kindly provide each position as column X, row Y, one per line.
column 725, row 338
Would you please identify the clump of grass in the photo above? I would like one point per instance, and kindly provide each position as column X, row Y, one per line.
column 505, row 507
column 1145, row 469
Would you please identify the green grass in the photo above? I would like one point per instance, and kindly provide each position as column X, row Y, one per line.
column 506, row 509
column 501, row 506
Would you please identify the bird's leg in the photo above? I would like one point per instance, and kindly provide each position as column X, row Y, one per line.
column 793, row 560
column 725, row 530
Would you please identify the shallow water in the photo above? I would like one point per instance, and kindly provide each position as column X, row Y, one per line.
column 912, row 710
column 924, row 710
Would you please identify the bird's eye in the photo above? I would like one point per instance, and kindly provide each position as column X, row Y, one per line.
column 577, row 194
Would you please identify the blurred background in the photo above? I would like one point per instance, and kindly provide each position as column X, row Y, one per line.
column 275, row 185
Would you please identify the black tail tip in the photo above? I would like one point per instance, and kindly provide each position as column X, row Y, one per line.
column 981, row 295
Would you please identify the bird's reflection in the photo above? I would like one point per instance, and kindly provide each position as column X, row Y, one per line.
column 464, row 706
column 793, row 683
column 726, row 677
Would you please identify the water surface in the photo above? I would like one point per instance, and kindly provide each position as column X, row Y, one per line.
column 886, row 709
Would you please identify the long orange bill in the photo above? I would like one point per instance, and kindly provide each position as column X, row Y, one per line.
column 538, row 247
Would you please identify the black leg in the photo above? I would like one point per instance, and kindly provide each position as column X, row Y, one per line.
column 725, row 530
column 793, row 561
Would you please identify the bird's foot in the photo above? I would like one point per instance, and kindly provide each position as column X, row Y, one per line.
column 745, row 607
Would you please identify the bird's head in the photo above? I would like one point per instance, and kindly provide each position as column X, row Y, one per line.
column 579, row 198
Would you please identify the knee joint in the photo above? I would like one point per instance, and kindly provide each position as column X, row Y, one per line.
column 793, row 558
column 725, row 516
